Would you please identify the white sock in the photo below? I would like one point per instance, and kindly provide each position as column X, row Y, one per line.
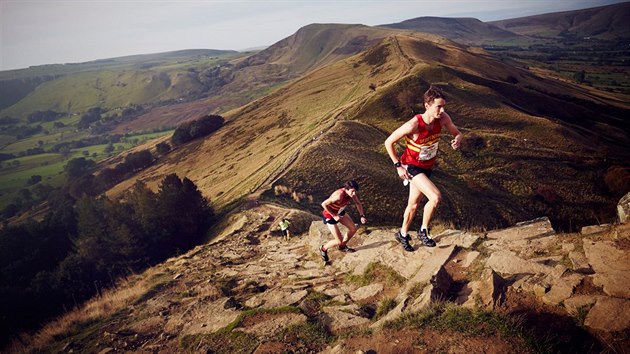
column 403, row 234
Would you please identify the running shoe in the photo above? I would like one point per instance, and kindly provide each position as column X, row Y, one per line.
column 324, row 254
column 404, row 241
column 424, row 236
column 346, row 249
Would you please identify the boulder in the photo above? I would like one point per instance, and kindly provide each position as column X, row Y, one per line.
column 487, row 292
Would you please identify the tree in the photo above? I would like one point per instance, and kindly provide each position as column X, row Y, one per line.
column 579, row 76
column 34, row 179
column 163, row 148
column 184, row 212
column 109, row 148
column 78, row 167
column 139, row 160
column 196, row 129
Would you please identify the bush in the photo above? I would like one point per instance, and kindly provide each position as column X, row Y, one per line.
column 196, row 129
column 163, row 148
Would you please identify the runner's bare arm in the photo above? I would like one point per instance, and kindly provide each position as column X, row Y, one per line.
column 408, row 128
column 357, row 202
column 450, row 126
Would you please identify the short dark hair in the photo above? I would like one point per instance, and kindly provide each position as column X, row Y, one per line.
column 351, row 184
column 433, row 93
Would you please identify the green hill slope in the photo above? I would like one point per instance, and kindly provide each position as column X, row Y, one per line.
column 108, row 83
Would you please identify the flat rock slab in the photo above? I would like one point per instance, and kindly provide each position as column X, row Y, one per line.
column 201, row 317
column 506, row 262
column 595, row 229
column 562, row 289
column 276, row 298
column 377, row 247
column 609, row 314
column 366, row 292
column 338, row 320
column 611, row 266
column 274, row 324
column 456, row 237
column 526, row 230
column 470, row 257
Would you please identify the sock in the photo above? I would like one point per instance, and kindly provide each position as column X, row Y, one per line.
column 323, row 249
column 403, row 234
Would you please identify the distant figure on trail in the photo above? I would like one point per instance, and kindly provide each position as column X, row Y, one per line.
column 422, row 134
column 284, row 228
column 334, row 213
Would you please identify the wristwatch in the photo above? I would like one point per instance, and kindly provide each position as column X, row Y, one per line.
column 397, row 164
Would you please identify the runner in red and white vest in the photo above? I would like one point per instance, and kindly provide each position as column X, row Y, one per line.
column 334, row 212
column 422, row 134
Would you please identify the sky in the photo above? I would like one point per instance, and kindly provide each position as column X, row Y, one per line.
column 36, row 32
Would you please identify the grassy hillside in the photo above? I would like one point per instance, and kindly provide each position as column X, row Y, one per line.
column 530, row 141
column 116, row 83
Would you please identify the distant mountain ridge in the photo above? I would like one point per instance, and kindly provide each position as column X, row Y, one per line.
column 462, row 30
column 606, row 22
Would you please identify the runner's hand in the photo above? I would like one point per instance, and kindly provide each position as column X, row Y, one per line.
column 456, row 142
column 336, row 217
column 363, row 220
column 402, row 173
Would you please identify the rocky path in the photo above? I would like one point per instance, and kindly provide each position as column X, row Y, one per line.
column 252, row 283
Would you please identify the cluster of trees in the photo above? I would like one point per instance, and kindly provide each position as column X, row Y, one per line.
column 91, row 116
column 22, row 131
column 81, row 180
column 44, row 116
column 93, row 140
column 196, row 129
column 84, row 245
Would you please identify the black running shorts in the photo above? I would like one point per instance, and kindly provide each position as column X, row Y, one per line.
column 333, row 221
column 415, row 170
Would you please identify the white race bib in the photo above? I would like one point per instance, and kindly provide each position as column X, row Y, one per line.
column 427, row 152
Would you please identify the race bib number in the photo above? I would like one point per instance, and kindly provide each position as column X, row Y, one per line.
column 427, row 152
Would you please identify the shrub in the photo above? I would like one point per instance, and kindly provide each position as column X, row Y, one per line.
column 196, row 129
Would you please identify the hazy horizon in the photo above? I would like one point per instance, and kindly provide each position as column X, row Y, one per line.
column 38, row 32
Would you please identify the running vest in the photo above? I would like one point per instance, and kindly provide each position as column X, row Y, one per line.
column 335, row 207
column 422, row 151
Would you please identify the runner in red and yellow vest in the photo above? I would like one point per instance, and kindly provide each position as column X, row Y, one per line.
column 334, row 213
column 422, row 135
column 422, row 150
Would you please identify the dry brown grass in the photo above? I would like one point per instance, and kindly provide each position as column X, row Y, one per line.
column 111, row 301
